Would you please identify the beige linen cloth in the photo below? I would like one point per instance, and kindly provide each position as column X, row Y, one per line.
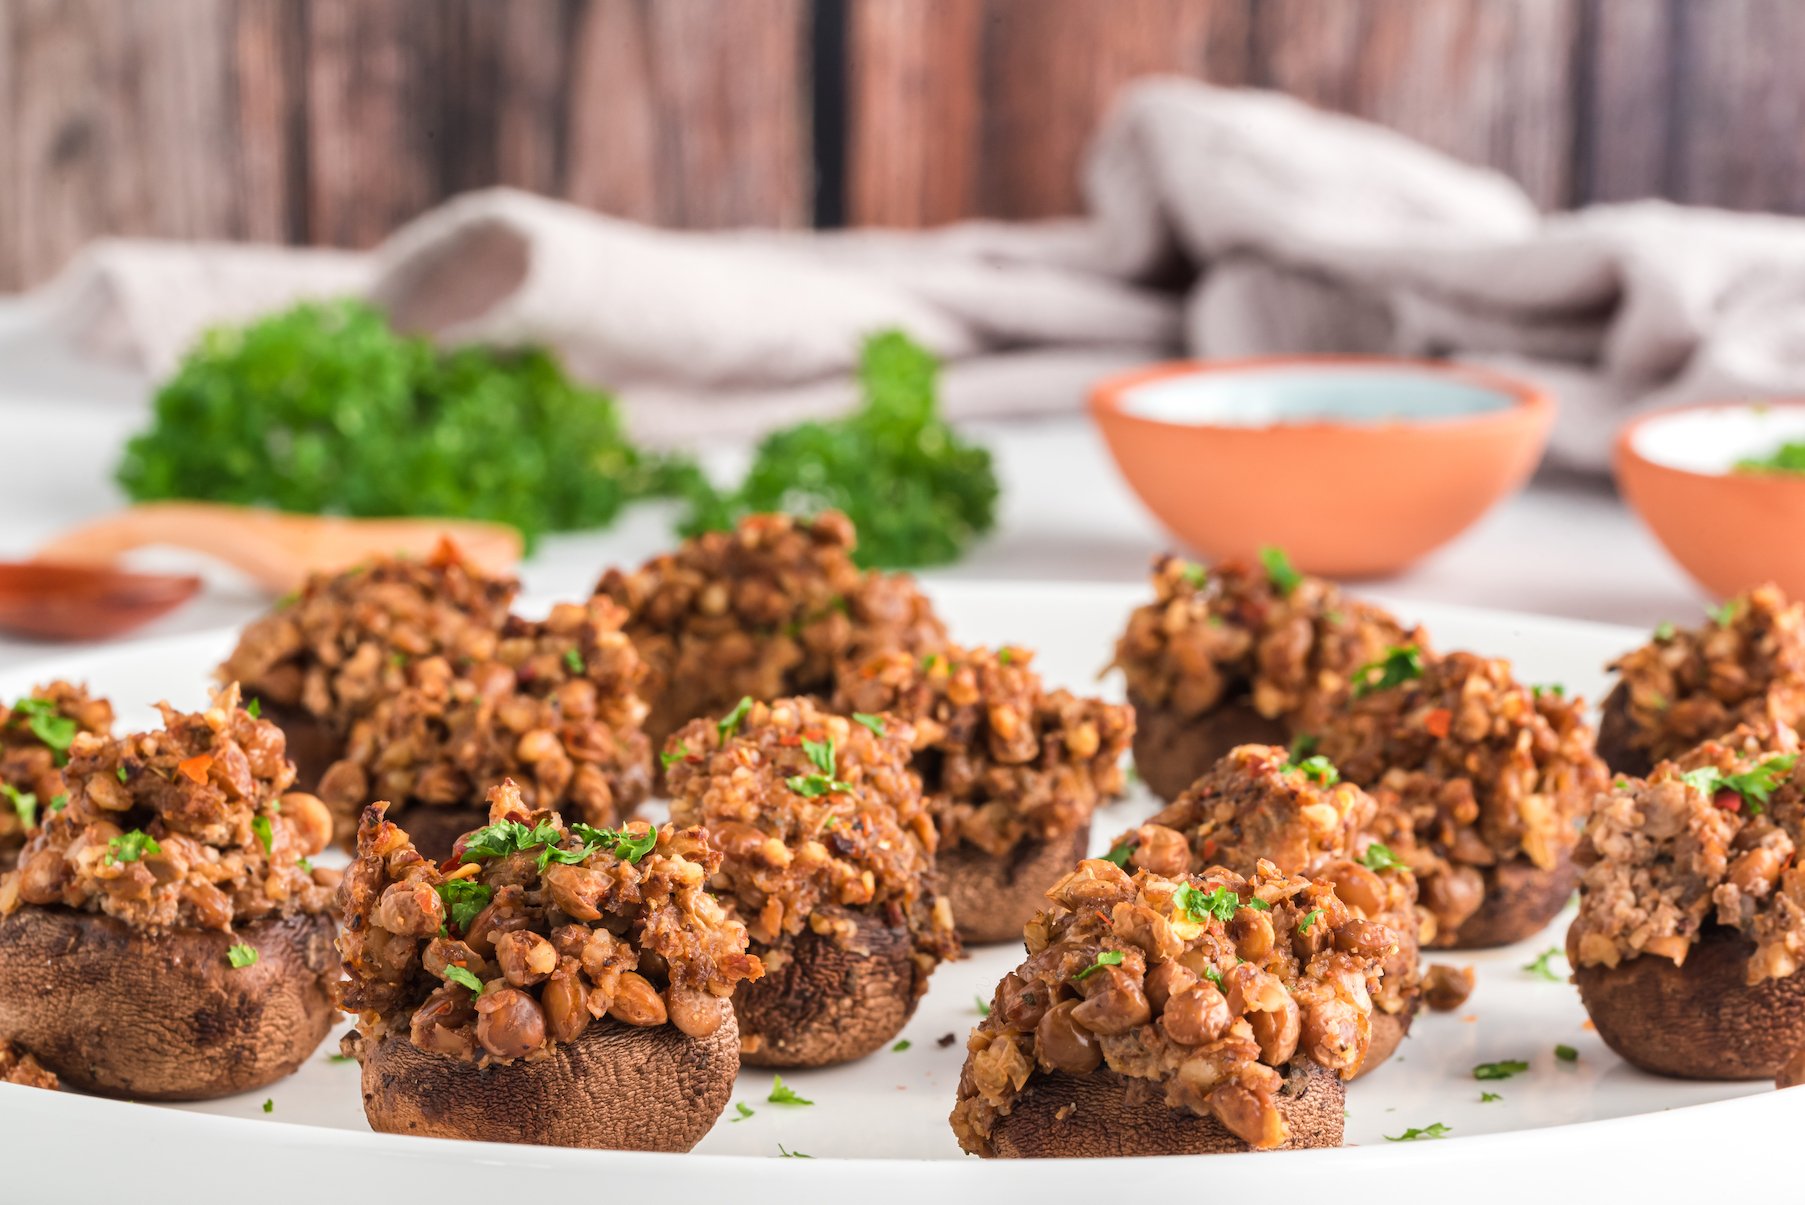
column 1293, row 230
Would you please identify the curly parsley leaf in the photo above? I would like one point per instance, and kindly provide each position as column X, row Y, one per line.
column 464, row 978
column 131, row 847
column 55, row 730
column 1755, row 786
column 464, row 899
column 1221, row 903
column 783, row 1094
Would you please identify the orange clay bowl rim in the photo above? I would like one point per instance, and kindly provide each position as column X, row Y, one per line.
column 1626, row 448
column 1527, row 401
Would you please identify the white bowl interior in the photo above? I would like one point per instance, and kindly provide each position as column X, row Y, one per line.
column 1713, row 440
column 1332, row 393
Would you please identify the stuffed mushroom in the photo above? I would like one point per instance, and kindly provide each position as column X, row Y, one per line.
column 550, row 984
column 1746, row 665
column 1011, row 771
column 1691, row 928
column 1481, row 781
column 828, row 858
column 164, row 936
column 768, row 609
column 1257, row 804
column 35, row 735
column 1238, row 655
column 1165, row 1016
column 552, row 704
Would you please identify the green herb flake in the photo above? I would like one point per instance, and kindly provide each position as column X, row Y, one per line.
column 242, row 956
column 1553, row 688
column 743, row 1109
column 1724, row 614
column 1304, row 925
column 464, row 899
column 1302, row 745
column 671, row 757
column 783, row 1094
column 1756, row 786
column 266, row 835
column 813, row 786
column 55, row 730
column 1279, row 572
column 120, row 773
column 269, row 1106
column 624, row 844
column 1486, row 1098
column 1539, row 965
column 1401, row 663
column 1214, row 976
column 1566, row 1053
column 782, row 1153
column 873, row 722
column 131, row 847
column 1438, row 1130
column 340, row 1058
column 464, row 978
column 1378, row 856
column 59, row 802
column 1500, row 1070
column 1221, row 903
column 1664, row 633
column 901, row 1046
column 1108, row 958
column 25, row 804
column 1318, row 768
column 254, row 709
column 820, row 755
column 730, row 723
column 573, row 661
column 1120, row 854
column 983, row 1008
column 1194, row 574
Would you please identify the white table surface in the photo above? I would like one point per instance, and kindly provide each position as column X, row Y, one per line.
column 1565, row 546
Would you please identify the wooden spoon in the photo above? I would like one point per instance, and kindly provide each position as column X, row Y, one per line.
column 276, row 549
column 79, row 602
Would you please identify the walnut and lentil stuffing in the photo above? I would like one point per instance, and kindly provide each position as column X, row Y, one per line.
column 1688, row 685
column 1204, row 987
column 769, row 609
column 1470, row 768
column 552, row 704
column 1257, row 805
column 346, row 640
column 1284, row 643
column 190, row 826
column 532, row 930
column 819, row 817
column 19, row 1067
column 1709, row 840
column 1002, row 760
column 35, row 735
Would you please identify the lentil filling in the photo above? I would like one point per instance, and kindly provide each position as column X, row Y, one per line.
column 35, row 735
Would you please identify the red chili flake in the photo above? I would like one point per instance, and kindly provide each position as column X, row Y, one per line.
column 195, row 768
column 1728, row 800
column 789, row 740
column 1209, row 847
column 1438, row 721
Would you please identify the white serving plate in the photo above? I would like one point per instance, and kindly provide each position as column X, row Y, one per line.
column 878, row 1128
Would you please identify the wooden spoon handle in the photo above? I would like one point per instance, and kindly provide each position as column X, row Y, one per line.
column 276, row 549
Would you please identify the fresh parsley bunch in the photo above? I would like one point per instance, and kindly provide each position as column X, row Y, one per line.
column 918, row 494
column 325, row 409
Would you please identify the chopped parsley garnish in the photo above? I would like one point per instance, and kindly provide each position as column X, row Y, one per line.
column 1553, row 688
column 730, row 723
column 1005, row 655
column 1566, row 1053
column 1257, row 904
column 25, row 804
column 1401, row 663
column 1378, row 856
column 59, row 802
column 671, row 757
column 1438, row 1130
column 1756, row 786
column 901, row 1046
column 745, row 1110
column 787, row 1154
column 464, row 899
column 820, row 755
column 1120, row 854
column 269, row 1106
column 1319, row 768
column 242, row 955
column 51, row 727
column 1664, row 633
column 1486, row 1098
column 873, row 722
column 266, row 835
column 130, row 847
column 120, row 773
column 1539, row 967
column 1195, row 574
column 1304, row 925
column 812, row 786
column 254, row 709
column 573, row 661
column 783, row 1094
column 1789, row 457
column 1500, row 1070
column 983, row 1008
column 1221, row 903
column 1108, row 958
column 1213, row 975
column 1279, row 572
column 1724, row 614
column 464, row 978
column 340, row 1058
column 624, row 844
column 1302, row 745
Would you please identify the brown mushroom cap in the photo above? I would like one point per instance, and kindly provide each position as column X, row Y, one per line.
column 829, row 1003
column 1615, row 732
column 1172, row 751
column 616, row 1087
column 163, row 1014
column 1699, row 1020
column 1104, row 1115
column 313, row 744
column 1389, row 1032
column 434, row 828
column 1521, row 899
column 993, row 897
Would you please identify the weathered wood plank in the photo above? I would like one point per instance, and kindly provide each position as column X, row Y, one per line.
column 1630, row 103
column 913, row 84
column 1051, row 68
column 1494, row 84
column 1741, row 125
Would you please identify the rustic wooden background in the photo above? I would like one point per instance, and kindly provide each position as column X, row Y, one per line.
column 331, row 121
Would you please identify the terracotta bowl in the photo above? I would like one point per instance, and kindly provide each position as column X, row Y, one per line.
column 1729, row 529
column 1356, row 467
